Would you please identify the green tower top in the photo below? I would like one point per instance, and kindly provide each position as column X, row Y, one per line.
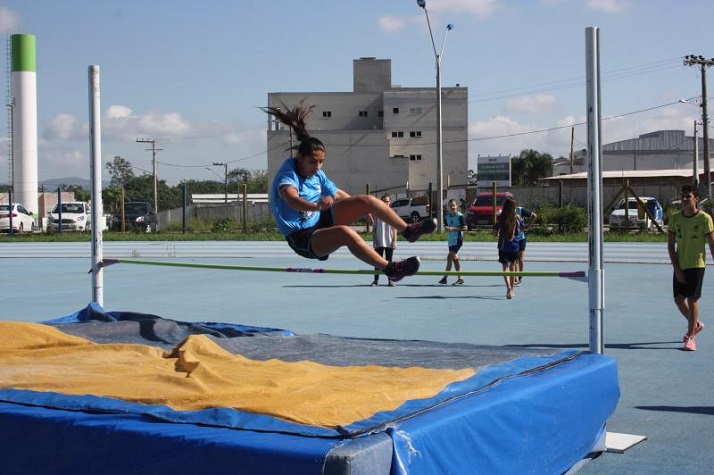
column 23, row 53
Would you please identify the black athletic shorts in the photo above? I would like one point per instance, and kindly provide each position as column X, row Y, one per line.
column 692, row 288
column 505, row 257
column 299, row 241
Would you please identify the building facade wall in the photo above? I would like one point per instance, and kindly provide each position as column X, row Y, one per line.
column 381, row 137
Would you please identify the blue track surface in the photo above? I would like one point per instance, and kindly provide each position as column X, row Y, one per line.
column 666, row 393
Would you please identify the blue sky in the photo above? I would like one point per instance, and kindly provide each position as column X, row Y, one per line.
column 192, row 75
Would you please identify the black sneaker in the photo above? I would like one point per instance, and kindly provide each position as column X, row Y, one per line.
column 443, row 281
column 396, row 271
column 459, row 282
column 415, row 230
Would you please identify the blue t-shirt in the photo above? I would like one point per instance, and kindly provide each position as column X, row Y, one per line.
column 455, row 238
column 310, row 189
column 513, row 245
column 526, row 214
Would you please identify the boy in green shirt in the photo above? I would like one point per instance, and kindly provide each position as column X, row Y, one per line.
column 689, row 231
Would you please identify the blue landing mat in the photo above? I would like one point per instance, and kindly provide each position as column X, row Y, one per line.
column 525, row 411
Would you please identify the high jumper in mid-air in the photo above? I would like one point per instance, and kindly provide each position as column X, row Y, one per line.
column 315, row 215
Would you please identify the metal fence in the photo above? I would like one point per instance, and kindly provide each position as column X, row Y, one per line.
column 530, row 196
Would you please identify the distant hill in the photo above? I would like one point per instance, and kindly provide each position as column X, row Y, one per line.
column 68, row 181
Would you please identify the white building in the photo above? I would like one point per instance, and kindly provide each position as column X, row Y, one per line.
column 660, row 150
column 379, row 134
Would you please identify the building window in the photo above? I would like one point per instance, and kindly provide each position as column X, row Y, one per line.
column 326, row 114
column 415, row 110
column 415, row 158
column 395, row 110
column 415, row 133
column 380, row 113
column 363, row 113
column 397, row 134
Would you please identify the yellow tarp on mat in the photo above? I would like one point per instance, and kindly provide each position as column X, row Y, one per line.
column 199, row 374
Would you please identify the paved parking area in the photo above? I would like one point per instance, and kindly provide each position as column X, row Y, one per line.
column 667, row 394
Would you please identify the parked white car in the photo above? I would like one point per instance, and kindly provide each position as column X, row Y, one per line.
column 633, row 218
column 411, row 210
column 76, row 216
column 22, row 220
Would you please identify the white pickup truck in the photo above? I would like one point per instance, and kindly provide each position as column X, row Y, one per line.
column 412, row 209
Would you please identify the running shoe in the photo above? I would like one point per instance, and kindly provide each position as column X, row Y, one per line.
column 443, row 281
column 416, row 230
column 375, row 283
column 391, row 283
column 700, row 327
column 396, row 271
column 458, row 282
column 690, row 344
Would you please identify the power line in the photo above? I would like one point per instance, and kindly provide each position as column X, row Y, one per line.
column 578, row 81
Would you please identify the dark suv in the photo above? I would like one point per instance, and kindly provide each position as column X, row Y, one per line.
column 138, row 215
column 481, row 211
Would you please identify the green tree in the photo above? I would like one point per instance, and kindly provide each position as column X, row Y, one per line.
column 530, row 166
column 471, row 177
column 120, row 171
column 257, row 180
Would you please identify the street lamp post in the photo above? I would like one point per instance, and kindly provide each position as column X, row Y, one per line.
column 225, row 179
column 438, row 55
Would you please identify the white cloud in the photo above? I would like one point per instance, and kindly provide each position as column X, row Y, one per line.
column 63, row 127
column 163, row 124
column 391, row 23
column 453, row 8
column 537, row 104
column 63, row 149
column 611, row 6
column 9, row 20
column 245, row 137
column 119, row 112
column 61, row 162
column 502, row 135
column 120, row 123
column 479, row 8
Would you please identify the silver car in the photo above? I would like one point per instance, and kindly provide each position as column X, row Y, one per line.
column 632, row 216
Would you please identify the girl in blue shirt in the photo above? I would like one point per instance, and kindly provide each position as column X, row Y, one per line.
column 508, row 228
column 455, row 224
column 315, row 215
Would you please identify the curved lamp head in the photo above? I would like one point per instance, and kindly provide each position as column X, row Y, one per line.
column 450, row 26
column 421, row 3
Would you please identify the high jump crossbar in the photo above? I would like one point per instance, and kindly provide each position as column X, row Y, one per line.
column 311, row 270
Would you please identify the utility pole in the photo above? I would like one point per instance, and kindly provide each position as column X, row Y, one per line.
column 695, row 172
column 572, row 142
column 225, row 179
column 692, row 60
column 153, row 150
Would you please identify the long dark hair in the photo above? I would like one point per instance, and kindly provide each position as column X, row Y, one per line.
column 295, row 119
column 508, row 219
